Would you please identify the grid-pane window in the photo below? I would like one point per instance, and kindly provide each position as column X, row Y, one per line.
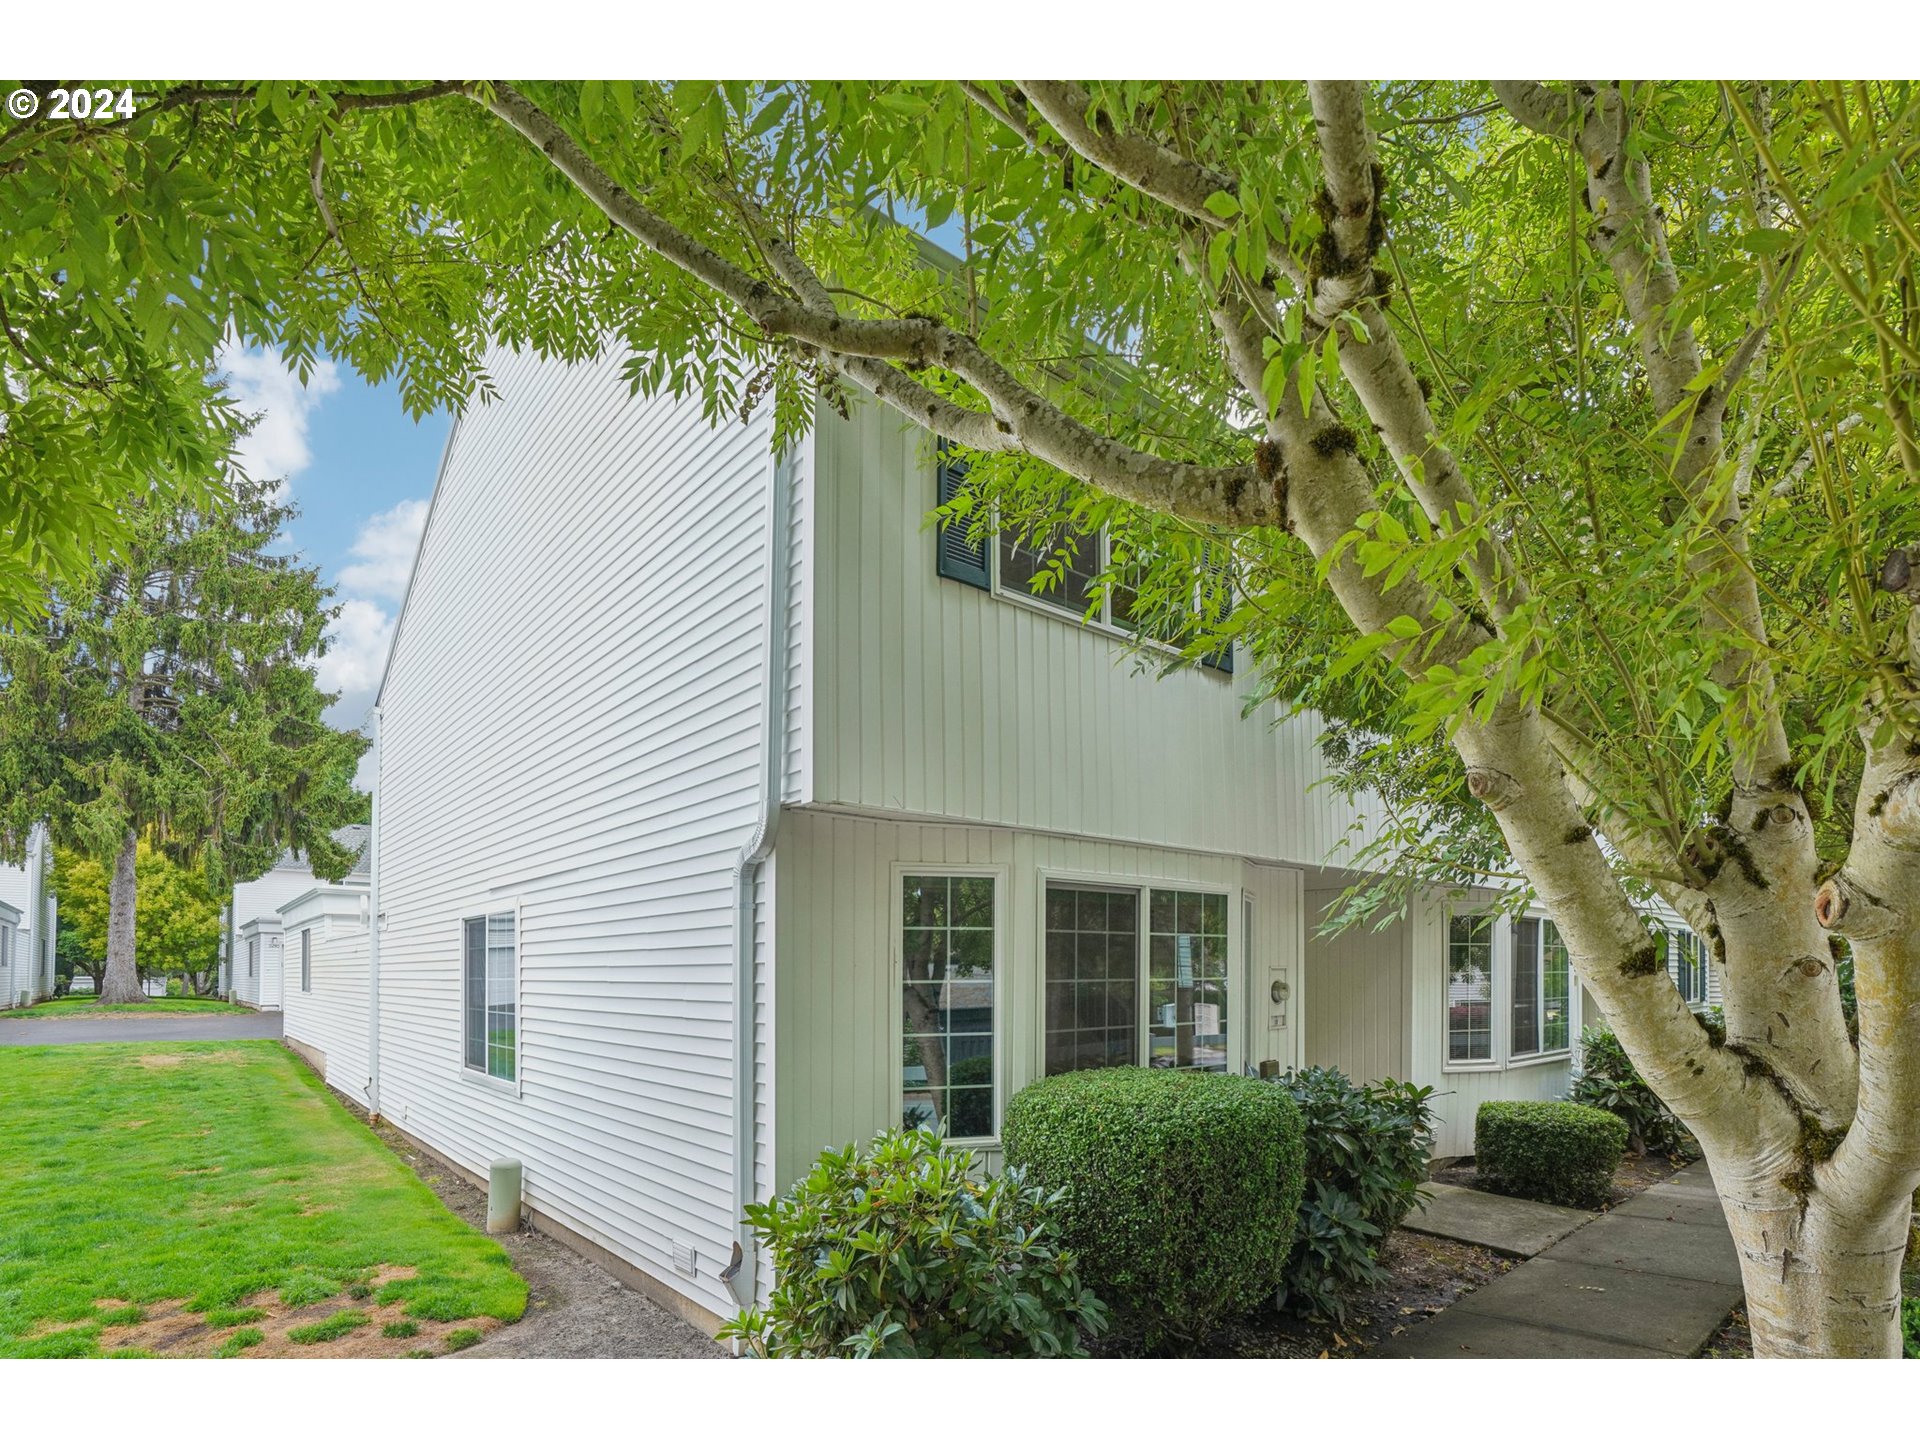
column 1186, row 980
column 946, row 1003
column 489, row 962
column 1069, row 563
column 1470, row 988
column 1540, row 995
column 1556, row 990
column 306, row 960
column 1093, row 977
column 1690, row 970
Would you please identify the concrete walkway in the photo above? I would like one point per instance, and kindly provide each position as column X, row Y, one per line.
column 1650, row 1280
column 1500, row 1223
column 263, row 1025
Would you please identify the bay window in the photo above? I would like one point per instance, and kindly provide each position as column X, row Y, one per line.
column 1469, row 997
column 1538, row 1012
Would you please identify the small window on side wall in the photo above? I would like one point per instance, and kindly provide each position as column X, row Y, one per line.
column 306, row 960
column 490, row 967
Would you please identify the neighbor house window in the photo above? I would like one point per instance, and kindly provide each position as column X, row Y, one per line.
column 1470, row 988
column 946, row 1003
column 491, row 963
column 306, row 960
column 1093, row 977
column 253, row 957
column 1690, row 968
column 1186, row 980
column 1539, row 1012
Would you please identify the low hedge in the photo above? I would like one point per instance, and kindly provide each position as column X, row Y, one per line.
column 1183, row 1188
column 1552, row 1150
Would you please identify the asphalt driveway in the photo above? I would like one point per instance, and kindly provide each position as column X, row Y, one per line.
column 262, row 1026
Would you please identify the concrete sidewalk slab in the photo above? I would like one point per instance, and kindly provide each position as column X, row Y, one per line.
column 1500, row 1223
column 1651, row 1280
column 1682, row 1205
column 1654, row 1312
column 1656, row 1247
column 1488, row 1337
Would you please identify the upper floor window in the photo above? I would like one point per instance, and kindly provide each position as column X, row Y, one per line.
column 1061, row 571
column 490, row 973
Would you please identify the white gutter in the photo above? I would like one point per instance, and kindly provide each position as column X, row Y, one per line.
column 739, row 1273
column 373, row 931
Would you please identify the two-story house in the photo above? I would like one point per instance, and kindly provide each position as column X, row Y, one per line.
column 726, row 810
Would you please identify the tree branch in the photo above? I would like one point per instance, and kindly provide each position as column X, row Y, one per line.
column 1022, row 419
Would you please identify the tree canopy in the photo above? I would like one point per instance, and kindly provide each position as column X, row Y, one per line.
column 1556, row 440
column 180, row 916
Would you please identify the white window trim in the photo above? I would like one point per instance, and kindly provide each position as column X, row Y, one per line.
column 1503, row 1057
column 1496, row 993
column 1538, row 1057
column 306, row 960
column 480, row 910
column 896, row 964
column 1237, row 986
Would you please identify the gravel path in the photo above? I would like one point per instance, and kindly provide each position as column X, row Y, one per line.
column 575, row 1310
column 265, row 1025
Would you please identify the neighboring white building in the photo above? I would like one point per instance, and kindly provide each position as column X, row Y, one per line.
column 26, row 961
column 254, row 977
column 324, row 996
column 726, row 810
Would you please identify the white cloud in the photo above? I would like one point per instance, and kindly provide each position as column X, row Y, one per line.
column 264, row 387
column 383, row 552
column 357, row 642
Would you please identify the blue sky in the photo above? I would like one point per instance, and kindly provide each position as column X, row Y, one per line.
column 360, row 470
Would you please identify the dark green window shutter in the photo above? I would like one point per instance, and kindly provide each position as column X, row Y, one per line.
column 962, row 557
column 1221, row 659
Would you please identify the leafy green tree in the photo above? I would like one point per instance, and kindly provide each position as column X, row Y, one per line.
column 171, row 698
column 179, row 917
column 1556, row 441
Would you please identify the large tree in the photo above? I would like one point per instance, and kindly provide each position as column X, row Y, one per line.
column 170, row 697
column 1555, row 438
column 180, row 917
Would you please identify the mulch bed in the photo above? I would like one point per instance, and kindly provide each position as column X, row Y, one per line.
column 1425, row 1274
column 1636, row 1173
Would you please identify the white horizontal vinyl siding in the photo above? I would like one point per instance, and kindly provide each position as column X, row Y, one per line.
column 570, row 725
column 330, row 1019
column 261, row 899
column 936, row 699
column 835, row 1055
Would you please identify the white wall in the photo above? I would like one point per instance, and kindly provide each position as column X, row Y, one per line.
column 1359, row 1017
column 836, row 1046
column 570, row 727
column 936, row 699
column 257, row 900
column 28, row 889
column 328, row 1021
column 261, row 938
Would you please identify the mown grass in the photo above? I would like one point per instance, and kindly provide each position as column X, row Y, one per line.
column 81, row 1006
column 332, row 1328
column 208, row 1172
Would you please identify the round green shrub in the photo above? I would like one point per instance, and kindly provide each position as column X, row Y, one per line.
column 1183, row 1188
column 1552, row 1150
column 905, row 1250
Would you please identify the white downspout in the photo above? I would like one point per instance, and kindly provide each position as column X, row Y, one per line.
column 739, row 1273
column 373, row 931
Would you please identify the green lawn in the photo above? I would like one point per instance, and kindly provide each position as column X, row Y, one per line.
column 214, row 1186
column 82, row 1005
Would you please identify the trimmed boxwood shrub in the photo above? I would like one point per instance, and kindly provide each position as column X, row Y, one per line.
column 1183, row 1188
column 1552, row 1150
column 905, row 1250
column 1367, row 1148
